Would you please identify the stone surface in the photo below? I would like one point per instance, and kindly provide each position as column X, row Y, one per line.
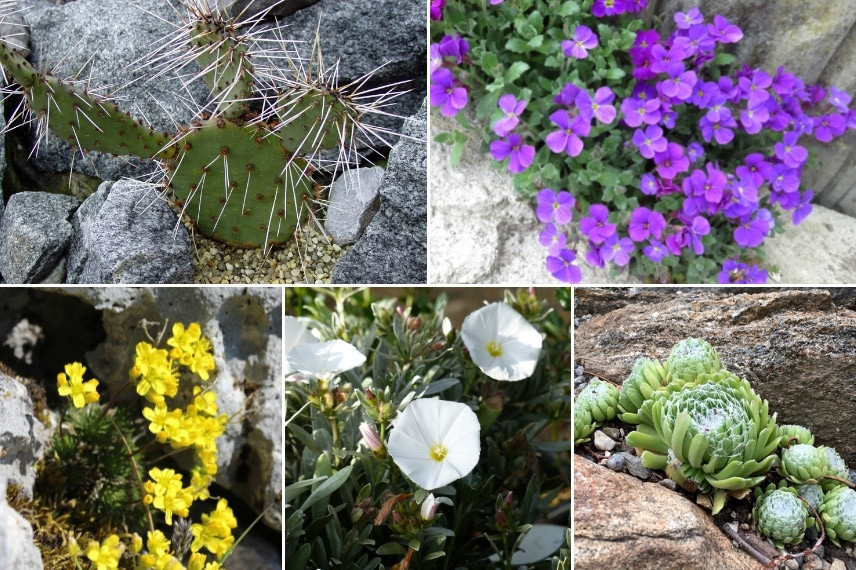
column 603, row 441
column 620, row 522
column 482, row 232
column 34, row 235
column 393, row 247
column 795, row 346
column 272, row 7
column 22, row 437
column 245, row 328
column 17, row 549
column 126, row 233
column 353, row 202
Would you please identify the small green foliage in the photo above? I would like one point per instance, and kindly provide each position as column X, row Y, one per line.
column 600, row 398
column 838, row 512
column 690, row 358
column 647, row 376
column 781, row 515
column 793, row 434
column 804, row 463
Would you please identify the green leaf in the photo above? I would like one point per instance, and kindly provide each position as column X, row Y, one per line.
column 615, row 73
column 297, row 489
column 535, row 42
column 301, row 557
column 517, row 69
column 608, row 178
column 724, row 59
column 328, row 487
column 305, row 438
column 516, row 45
column 390, row 548
column 569, row 9
column 489, row 62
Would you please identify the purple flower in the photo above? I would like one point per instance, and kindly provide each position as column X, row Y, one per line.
column 567, row 138
column 695, row 152
column 689, row 235
column 672, row 161
column 553, row 239
column 649, row 185
column 803, row 209
column 751, row 232
column 512, row 146
column 563, row 268
column 599, row 107
column 839, row 99
column 495, row 2
column 593, row 257
column 617, row 250
column 636, row 111
column 789, row 152
column 602, row 8
column 754, row 87
column 753, row 118
column 650, row 141
column 446, row 93
column 828, row 127
column 437, row 9
column 454, row 46
column 688, row 19
column 554, row 206
column 645, row 223
column 680, row 83
column 596, row 225
column 724, row 31
column 755, row 168
column 735, row 272
column 655, row 251
column 584, row 39
column 718, row 130
column 511, row 109
column 742, row 199
column 567, row 95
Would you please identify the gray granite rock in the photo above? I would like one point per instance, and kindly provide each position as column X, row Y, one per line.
column 34, row 235
column 22, row 436
column 353, row 202
column 276, row 8
column 394, row 247
column 126, row 233
column 17, row 549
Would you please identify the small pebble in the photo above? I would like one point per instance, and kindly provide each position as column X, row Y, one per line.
column 837, row 565
column 669, row 484
column 612, row 432
column 602, row 441
column 635, row 468
column 792, row 564
column 616, row 462
column 812, row 562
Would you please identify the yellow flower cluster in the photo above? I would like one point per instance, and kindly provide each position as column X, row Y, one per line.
column 165, row 493
column 191, row 349
column 70, row 383
column 215, row 532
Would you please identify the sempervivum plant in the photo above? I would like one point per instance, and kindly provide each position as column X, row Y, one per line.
column 647, row 376
column 690, row 358
column 804, row 463
column 600, row 399
column 838, row 512
column 837, row 469
column 584, row 426
column 793, row 434
column 719, row 432
column 781, row 515
column 812, row 493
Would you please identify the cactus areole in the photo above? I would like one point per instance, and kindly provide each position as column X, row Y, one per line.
column 243, row 170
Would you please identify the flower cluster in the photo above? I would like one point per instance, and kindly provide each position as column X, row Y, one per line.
column 71, row 384
column 680, row 162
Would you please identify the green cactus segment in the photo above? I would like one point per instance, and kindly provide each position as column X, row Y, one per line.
column 645, row 379
column 690, row 358
column 838, row 512
column 240, row 186
column 314, row 118
column 782, row 516
column 86, row 121
column 226, row 67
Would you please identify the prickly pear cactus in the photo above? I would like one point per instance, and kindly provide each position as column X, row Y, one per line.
column 243, row 169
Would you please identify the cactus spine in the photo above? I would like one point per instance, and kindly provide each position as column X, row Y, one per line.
column 243, row 169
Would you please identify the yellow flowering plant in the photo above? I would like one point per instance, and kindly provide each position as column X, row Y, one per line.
column 98, row 458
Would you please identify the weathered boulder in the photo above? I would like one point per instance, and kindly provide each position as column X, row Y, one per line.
column 621, row 522
column 797, row 347
column 17, row 549
column 353, row 202
column 22, row 437
column 393, row 248
column 34, row 235
column 126, row 233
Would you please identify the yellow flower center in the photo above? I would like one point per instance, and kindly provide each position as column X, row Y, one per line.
column 494, row 349
column 438, row 452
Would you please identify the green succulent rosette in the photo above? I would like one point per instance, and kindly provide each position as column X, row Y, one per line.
column 584, row 426
column 838, row 512
column 647, row 377
column 715, row 432
column 803, row 463
column 600, row 399
column 691, row 358
column 782, row 516
column 812, row 493
column 837, row 468
column 793, row 434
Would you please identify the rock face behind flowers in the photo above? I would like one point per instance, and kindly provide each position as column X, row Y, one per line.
column 22, row 438
column 621, row 522
column 817, row 42
column 796, row 347
column 16, row 537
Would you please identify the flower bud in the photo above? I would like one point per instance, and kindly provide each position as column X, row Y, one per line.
column 429, row 507
column 508, row 498
column 501, row 519
column 413, row 323
column 371, row 436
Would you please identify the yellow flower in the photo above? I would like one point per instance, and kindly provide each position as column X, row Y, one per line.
column 184, row 342
column 197, row 561
column 157, row 543
column 202, row 360
column 81, row 392
column 154, row 373
column 73, row 547
column 162, row 421
column 215, row 532
column 166, row 494
column 105, row 556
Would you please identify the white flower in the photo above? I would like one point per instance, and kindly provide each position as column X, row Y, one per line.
column 324, row 360
column 501, row 342
column 295, row 332
column 429, row 507
column 435, row 442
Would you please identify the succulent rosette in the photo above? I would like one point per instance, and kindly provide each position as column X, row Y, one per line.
column 838, row 512
column 691, row 358
column 600, row 399
column 803, row 463
column 792, row 434
column 837, row 468
column 584, row 426
column 782, row 516
column 812, row 493
column 647, row 376
column 719, row 432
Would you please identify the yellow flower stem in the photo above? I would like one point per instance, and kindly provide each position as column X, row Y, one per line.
column 136, row 472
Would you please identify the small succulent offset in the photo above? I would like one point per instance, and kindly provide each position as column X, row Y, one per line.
column 792, row 433
column 647, row 376
column 243, row 169
column 781, row 515
column 600, row 399
column 690, row 358
column 838, row 512
column 804, row 463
